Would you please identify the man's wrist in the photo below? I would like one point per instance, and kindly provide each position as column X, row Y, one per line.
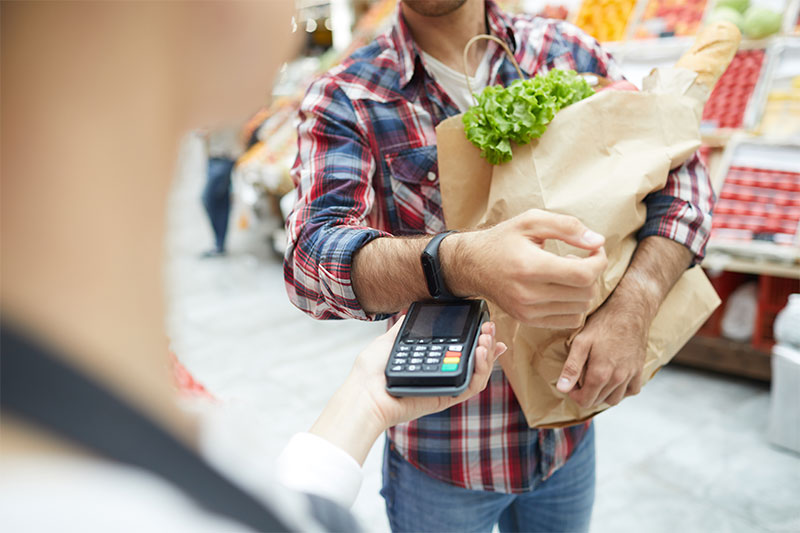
column 656, row 265
column 634, row 292
column 455, row 259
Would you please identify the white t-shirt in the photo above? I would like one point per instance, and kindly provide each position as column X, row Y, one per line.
column 453, row 81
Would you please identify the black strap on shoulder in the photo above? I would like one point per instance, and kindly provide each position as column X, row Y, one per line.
column 42, row 389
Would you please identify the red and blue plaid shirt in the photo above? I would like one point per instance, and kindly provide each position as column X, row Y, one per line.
column 366, row 168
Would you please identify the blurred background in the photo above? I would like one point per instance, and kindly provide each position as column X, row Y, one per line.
column 712, row 444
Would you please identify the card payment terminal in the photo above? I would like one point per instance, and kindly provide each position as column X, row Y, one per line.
column 434, row 352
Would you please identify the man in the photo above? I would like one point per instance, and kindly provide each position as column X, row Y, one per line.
column 368, row 193
column 223, row 148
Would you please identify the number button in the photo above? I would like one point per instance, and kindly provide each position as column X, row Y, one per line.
column 413, row 368
column 416, row 360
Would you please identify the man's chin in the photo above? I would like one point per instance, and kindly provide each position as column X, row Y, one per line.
column 433, row 8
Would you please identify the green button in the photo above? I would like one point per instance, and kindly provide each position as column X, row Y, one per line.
column 449, row 368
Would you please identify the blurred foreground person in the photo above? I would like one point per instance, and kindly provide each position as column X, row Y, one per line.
column 95, row 98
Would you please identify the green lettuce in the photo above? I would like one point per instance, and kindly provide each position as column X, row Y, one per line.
column 520, row 112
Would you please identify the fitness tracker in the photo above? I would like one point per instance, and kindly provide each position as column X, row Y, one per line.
column 432, row 268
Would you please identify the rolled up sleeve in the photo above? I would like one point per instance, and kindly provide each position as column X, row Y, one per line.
column 681, row 211
column 333, row 174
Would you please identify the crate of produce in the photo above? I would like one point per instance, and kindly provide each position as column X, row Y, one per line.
column 758, row 210
column 668, row 18
column 737, row 99
column 757, row 19
column 605, row 20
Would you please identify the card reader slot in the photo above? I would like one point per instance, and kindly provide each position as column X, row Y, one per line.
column 429, row 379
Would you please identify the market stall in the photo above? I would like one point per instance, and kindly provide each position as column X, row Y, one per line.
column 750, row 131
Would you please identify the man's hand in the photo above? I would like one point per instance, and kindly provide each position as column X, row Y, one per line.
column 611, row 348
column 606, row 358
column 508, row 265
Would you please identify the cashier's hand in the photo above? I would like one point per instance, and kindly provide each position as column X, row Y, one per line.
column 361, row 409
column 606, row 358
column 508, row 265
column 371, row 364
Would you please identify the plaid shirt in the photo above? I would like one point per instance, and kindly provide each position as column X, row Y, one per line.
column 367, row 168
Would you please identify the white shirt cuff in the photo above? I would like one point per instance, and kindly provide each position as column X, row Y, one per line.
column 314, row 465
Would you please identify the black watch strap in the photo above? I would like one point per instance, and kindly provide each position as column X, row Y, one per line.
column 432, row 267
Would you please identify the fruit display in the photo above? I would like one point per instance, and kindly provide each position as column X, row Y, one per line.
column 727, row 13
column 756, row 21
column 760, row 22
column 667, row 18
column 758, row 204
column 728, row 102
column 605, row 20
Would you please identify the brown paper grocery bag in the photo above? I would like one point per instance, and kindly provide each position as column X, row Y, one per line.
column 597, row 161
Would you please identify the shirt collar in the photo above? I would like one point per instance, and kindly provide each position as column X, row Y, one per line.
column 499, row 25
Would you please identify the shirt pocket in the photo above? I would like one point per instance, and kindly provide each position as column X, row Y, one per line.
column 414, row 177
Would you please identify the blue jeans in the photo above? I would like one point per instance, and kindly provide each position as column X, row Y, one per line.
column 217, row 198
column 563, row 502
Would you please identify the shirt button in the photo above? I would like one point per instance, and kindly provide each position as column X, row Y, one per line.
column 431, row 176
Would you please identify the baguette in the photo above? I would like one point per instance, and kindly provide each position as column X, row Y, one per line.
column 712, row 52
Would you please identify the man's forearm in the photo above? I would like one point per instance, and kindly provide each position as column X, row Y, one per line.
column 657, row 264
column 387, row 274
column 610, row 351
column 505, row 264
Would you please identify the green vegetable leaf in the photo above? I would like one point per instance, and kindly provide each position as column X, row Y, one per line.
column 520, row 112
